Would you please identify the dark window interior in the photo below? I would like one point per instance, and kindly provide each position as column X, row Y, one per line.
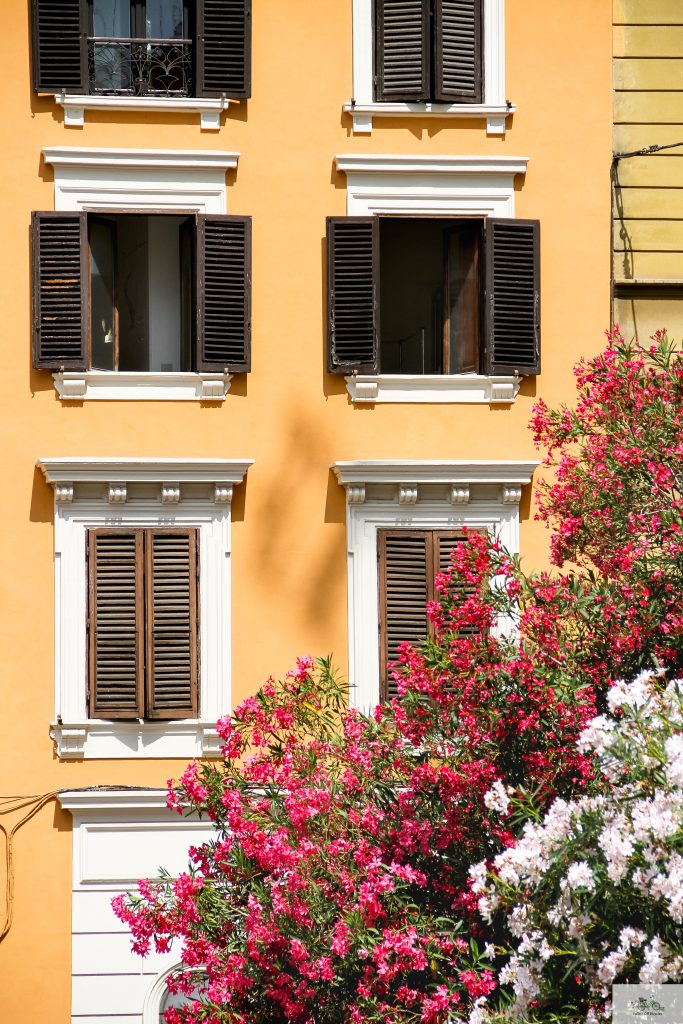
column 141, row 292
column 430, row 295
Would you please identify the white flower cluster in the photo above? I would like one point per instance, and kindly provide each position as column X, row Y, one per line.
column 628, row 840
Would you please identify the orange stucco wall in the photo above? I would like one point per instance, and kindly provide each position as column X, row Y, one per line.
column 288, row 541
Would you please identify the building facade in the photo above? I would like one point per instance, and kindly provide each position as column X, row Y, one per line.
column 280, row 285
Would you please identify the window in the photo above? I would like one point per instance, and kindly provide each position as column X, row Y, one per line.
column 433, row 295
column 141, row 292
column 408, row 561
column 428, row 50
column 142, row 623
column 162, row 48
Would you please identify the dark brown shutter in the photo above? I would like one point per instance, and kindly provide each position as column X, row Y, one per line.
column 60, row 290
column 512, row 306
column 224, row 48
column 445, row 543
column 406, row 574
column 458, row 55
column 171, row 583
column 352, row 307
column 224, row 294
column 402, row 50
column 59, row 58
column 116, row 623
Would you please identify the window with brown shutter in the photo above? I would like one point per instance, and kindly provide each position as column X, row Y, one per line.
column 429, row 51
column 143, row 623
column 142, row 47
column 408, row 561
column 141, row 292
column 433, row 295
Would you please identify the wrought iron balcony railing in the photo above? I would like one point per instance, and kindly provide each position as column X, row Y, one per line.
column 140, row 67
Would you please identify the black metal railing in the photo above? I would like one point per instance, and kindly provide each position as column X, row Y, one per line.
column 140, row 67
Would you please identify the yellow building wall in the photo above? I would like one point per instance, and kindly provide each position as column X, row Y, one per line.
column 289, row 415
column 648, row 198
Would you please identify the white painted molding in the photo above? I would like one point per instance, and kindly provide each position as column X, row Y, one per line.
column 222, row 494
column 476, row 186
column 140, row 179
column 108, row 386
column 444, row 496
column 158, row 493
column 495, row 107
column 64, row 491
column 209, row 110
column 466, row 388
column 101, row 798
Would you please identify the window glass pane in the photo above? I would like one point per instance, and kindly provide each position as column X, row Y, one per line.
column 165, row 19
column 463, row 299
column 102, row 294
column 111, row 18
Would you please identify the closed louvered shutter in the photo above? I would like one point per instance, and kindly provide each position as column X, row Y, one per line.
column 59, row 59
column 224, row 294
column 116, row 623
column 512, row 306
column 171, row 583
column 402, row 50
column 406, row 574
column 445, row 544
column 458, row 62
column 60, row 290
column 224, row 48
column 352, row 275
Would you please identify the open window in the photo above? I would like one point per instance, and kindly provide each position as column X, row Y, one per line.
column 431, row 295
column 142, row 47
column 141, row 292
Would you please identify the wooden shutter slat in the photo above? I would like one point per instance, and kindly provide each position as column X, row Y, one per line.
column 224, row 48
column 59, row 63
column 352, row 275
column 171, row 568
column 402, row 50
column 60, row 290
column 116, row 613
column 446, row 542
column 224, row 294
column 458, row 54
column 406, row 574
column 512, row 307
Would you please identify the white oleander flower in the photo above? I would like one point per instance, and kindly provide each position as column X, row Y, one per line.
column 497, row 799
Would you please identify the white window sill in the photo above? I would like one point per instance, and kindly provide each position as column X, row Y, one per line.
column 209, row 110
column 95, row 738
column 494, row 114
column 108, row 386
column 464, row 388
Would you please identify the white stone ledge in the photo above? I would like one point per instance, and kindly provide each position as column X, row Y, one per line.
column 118, row 739
column 80, row 157
column 433, row 388
column 209, row 110
column 107, row 386
column 494, row 114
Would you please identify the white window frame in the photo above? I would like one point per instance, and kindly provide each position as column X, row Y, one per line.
column 146, row 493
column 448, row 186
column 415, row 495
column 161, row 181
column 495, row 109
column 119, row 837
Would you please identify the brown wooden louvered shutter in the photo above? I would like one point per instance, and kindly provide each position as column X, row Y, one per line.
column 458, row 55
column 60, row 290
column 59, row 55
column 224, row 294
column 352, row 305
column 172, row 618
column 402, row 50
column 223, row 57
column 512, row 306
column 445, row 542
column 115, row 623
column 406, row 574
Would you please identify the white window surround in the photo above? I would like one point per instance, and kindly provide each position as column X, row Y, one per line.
column 448, row 186
column 192, row 181
column 438, row 495
column 494, row 109
column 120, row 836
column 209, row 110
column 94, row 492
